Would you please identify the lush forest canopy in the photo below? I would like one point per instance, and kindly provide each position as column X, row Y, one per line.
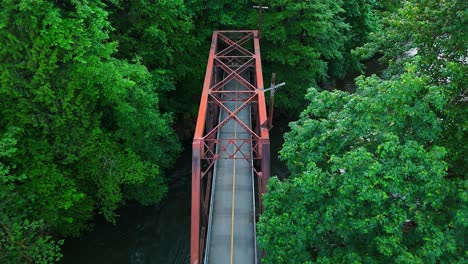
column 378, row 176
column 93, row 92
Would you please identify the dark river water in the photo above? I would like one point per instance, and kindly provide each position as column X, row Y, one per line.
column 143, row 234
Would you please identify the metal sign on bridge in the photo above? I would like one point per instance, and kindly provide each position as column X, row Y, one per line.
column 231, row 152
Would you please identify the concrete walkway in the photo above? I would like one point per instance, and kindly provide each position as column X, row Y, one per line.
column 232, row 236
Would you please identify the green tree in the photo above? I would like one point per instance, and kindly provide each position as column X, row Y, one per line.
column 156, row 33
column 442, row 48
column 309, row 42
column 361, row 17
column 211, row 15
column 378, row 176
column 369, row 185
column 161, row 35
column 299, row 39
column 21, row 240
column 89, row 132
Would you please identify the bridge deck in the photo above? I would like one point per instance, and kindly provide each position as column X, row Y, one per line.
column 232, row 236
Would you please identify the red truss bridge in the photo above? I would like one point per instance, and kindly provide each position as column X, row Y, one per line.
column 231, row 152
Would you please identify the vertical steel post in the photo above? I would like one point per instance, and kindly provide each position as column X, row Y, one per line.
column 265, row 170
column 195, row 224
column 272, row 101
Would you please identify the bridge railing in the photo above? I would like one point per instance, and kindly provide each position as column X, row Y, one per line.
column 232, row 54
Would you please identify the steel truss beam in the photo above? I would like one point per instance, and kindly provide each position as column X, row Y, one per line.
column 233, row 55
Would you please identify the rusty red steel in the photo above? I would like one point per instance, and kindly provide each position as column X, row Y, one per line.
column 233, row 54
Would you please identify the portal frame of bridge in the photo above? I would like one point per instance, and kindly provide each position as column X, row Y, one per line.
column 232, row 53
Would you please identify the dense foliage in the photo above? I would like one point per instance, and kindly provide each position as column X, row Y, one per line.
column 442, row 48
column 309, row 42
column 21, row 240
column 378, row 176
column 370, row 186
column 80, row 129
